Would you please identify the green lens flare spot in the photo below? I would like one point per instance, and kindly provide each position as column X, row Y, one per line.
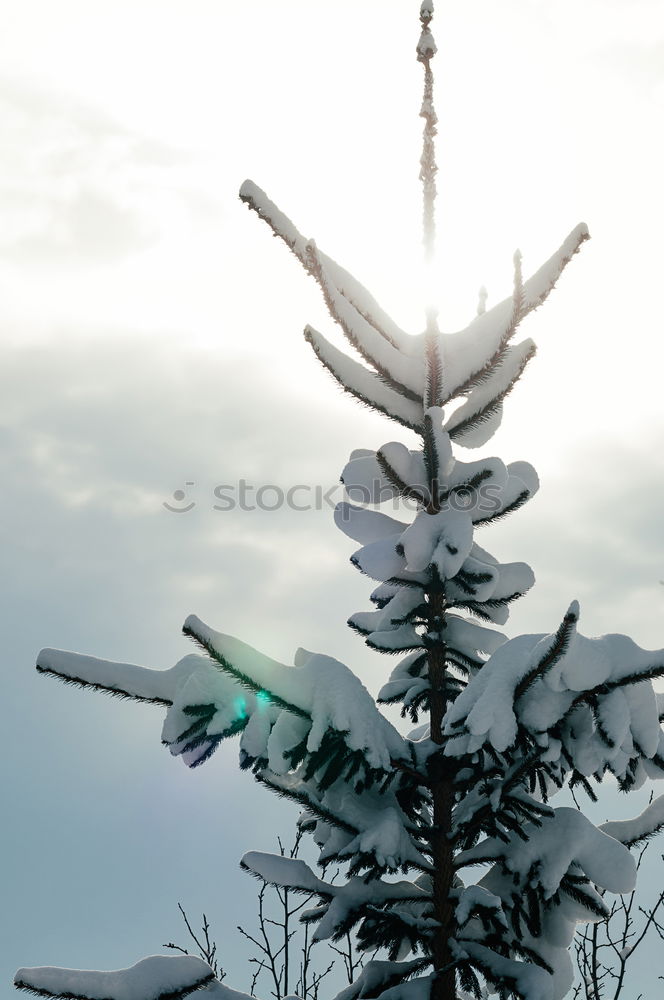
column 240, row 707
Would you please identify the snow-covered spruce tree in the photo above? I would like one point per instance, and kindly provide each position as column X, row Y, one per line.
column 508, row 723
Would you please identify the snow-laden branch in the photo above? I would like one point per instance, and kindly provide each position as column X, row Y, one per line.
column 478, row 361
column 160, row 977
column 124, row 680
column 591, row 705
column 203, row 706
column 635, row 831
column 342, row 906
column 435, row 549
column 378, row 976
column 319, row 689
column 566, row 838
column 356, row 294
column 364, row 384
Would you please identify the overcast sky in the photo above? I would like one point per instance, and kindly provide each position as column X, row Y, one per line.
column 152, row 344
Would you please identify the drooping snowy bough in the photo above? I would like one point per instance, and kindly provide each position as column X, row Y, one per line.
column 160, row 977
column 458, row 868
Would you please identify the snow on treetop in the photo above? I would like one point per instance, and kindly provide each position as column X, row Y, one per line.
column 160, row 977
column 426, row 47
column 477, row 363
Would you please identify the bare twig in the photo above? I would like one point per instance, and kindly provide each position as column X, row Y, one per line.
column 352, row 961
column 278, row 940
column 207, row 949
column 603, row 950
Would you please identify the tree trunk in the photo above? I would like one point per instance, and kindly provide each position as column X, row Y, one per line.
column 444, row 987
